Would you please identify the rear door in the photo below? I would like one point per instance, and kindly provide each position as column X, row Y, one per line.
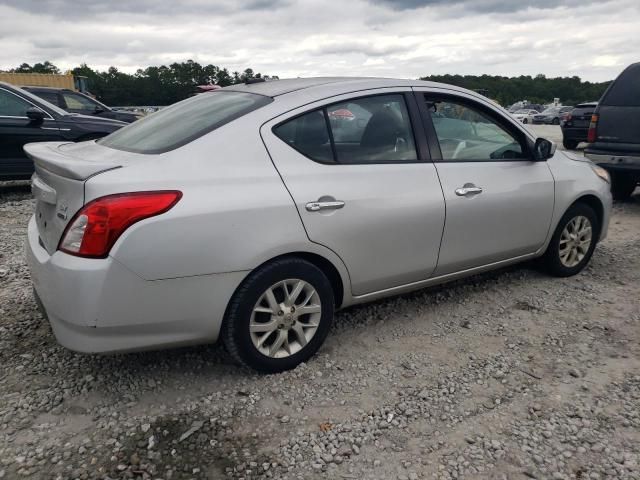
column 16, row 130
column 363, row 184
column 619, row 113
column 499, row 202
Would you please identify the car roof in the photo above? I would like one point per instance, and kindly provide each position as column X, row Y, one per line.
column 46, row 89
column 275, row 88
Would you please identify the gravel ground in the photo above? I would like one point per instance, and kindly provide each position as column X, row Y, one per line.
column 507, row 375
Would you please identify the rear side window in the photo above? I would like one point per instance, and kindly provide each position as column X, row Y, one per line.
column 183, row 122
column 373, row 129
column 51, row 97
column 625, row 91
column 309, row 135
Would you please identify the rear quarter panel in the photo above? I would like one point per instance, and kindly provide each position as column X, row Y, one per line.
column 234, row 215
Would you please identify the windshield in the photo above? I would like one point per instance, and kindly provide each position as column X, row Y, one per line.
column 184, row 121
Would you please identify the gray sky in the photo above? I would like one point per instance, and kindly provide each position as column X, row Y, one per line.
column 289, row 38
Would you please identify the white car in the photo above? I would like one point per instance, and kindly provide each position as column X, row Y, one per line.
column 525, row 116
column 253, row 212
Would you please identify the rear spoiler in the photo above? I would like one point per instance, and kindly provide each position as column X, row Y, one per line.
column 47, row 155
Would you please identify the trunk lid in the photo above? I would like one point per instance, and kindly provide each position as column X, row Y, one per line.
column 61, row 170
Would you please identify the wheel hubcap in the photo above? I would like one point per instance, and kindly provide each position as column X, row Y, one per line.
column 575, row 241
column 285, row 318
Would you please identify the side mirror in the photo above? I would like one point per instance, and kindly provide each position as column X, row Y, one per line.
column 543, row 150
column 35, row 114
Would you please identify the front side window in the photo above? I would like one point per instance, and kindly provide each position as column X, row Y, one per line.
column 183, row 122
column 12, row 106
column 373, row 129
column 468, row 134
column 78, row 102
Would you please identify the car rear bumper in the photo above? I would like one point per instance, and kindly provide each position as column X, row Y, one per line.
column 578, row 134
column 614, row 161
column 99, row 306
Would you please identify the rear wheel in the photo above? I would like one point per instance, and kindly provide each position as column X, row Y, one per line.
column 573, row 241
column 556, row 121
column 280, row 316
column 622, row 187
column 569, row 144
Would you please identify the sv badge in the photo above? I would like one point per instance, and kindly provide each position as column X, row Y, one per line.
column 62, row 210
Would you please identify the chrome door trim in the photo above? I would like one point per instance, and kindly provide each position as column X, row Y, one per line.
column 410, row 287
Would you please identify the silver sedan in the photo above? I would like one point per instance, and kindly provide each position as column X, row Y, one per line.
column 251, row 213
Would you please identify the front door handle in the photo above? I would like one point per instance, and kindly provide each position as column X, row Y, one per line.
column 322, row 205
column 468, row 189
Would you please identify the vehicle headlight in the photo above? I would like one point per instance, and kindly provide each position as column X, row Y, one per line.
column 602, row 173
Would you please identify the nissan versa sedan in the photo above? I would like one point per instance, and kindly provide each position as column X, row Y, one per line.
column 250, row 214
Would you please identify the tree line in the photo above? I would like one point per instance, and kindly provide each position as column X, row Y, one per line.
column 165, row 85
column 161, row 85
column 538, row 89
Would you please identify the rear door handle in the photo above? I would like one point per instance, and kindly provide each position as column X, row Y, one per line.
column 468, row 190
column 318, row 206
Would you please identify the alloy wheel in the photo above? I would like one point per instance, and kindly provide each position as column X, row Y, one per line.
column 285, row 318
column 575, row 241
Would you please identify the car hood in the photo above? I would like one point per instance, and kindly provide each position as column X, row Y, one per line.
column 90, row 120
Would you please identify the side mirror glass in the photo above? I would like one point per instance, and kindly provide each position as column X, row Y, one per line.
column 35, row 114
column 543, row 150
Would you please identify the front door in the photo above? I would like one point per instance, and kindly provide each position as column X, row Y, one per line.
column 499, row 202
column 16, row 130
column 362, row 186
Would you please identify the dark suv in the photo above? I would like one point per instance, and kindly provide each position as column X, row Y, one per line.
column 575, row 124
column 76, row 102
column 25, row 118
column 614, row 132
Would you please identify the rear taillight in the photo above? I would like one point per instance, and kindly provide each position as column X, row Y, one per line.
column 593, row 127
column 96, row 227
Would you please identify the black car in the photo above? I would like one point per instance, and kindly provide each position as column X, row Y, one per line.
column 25, row 118
column 614, row 132
column 575, row 124
column 76, row 102
column 551, row 116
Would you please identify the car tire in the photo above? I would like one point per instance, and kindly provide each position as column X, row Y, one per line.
column 556, row 121
column 269, row 332
column 569, row 144
column 567, row 253
column 525, row 121
column 622, row 188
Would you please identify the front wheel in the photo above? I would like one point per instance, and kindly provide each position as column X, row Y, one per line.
column 525, row 121
column 573, row 241
column 280, row 316
column 556, row 121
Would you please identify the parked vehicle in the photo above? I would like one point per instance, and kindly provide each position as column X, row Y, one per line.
column 524, row 105
column 614, row 132
column 25, row 118
column 575, row 124
column 551, row 116
column 75, row 102
column 525, row 116
column 251, row 213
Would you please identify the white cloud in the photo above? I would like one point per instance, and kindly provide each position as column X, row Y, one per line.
column 403, row 38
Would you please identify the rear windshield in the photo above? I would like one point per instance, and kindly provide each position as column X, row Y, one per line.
column 625, row 91
column 183, row 122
